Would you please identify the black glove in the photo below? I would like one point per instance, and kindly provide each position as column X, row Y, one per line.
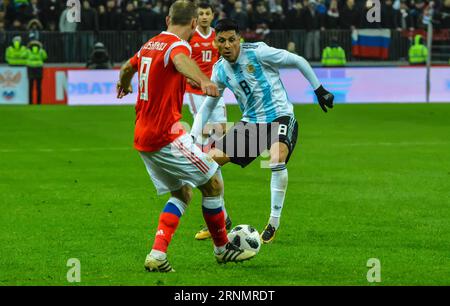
column 324, row 97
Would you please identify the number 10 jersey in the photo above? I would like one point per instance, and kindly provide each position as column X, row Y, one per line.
column 204, row 53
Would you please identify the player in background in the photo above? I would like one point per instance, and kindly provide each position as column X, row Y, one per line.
column 206, row 55
column 174, row 163
column 251, row 72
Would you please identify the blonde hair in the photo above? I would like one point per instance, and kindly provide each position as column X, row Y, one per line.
column 182, row 12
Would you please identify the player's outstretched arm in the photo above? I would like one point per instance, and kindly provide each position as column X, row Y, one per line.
column 203, row 115
column 282, row 58
column 188, row 67
column 124, row 87
column 324, row 97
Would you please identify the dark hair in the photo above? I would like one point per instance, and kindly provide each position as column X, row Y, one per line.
column 205, row 5
column 226, row 24
column 182, row 12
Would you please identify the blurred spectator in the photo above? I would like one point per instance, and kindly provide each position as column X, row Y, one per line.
column 416, row 13
column 390, row 17
column 250, row 14
column 275, row 6
column 291, row 47
column 292, row 20
column 68, row 28
column 418, row 52
column 158, row 9
column 99, row 58
column 89, row 18
column 443, row 15
column 332, row 16
column 240, row 16
column 34, row 27
column 109, row 17
column 277, row 19
column 16, row 54
column 261, row 19
column 64, row 25
column 50, row 13
column 228, row 6
column 261, row 15
column 88, row 24
column 16, row 26
column 17, row 16
column 130, row 18
column 97, row 3
column 36, row 56
column 149, row 20
column 2, row 35
column 33, row 9
column 311, row 23
column 333, row 55
column 405, row 19
column 349, row 16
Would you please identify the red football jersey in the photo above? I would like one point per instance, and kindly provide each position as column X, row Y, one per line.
column 204, row 53
column 161, row 90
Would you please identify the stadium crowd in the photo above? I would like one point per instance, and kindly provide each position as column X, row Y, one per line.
column 136, row 15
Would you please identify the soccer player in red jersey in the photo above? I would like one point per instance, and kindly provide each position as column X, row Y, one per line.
column 206, row 55
column 174, row 163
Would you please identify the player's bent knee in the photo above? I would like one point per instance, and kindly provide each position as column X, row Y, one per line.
column 184, row 194
column 279, row 153
column 212, row 188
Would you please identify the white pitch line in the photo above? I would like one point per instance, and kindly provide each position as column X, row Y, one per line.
column 48, row 150
column 355, row 144
column 391, row 144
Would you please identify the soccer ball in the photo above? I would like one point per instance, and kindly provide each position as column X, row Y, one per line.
column 245, row 237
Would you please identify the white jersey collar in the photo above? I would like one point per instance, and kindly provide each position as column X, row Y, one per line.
column 204, row 36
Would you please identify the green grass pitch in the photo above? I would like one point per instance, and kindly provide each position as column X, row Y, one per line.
column 365, row 181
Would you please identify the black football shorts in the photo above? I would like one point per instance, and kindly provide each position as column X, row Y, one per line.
column 246, row 141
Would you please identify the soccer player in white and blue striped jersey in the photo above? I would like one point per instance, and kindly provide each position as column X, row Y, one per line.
column 251, row 72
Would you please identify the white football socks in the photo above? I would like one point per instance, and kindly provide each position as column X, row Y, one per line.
column 278, row 187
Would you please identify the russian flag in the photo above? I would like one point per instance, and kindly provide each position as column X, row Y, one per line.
column 371, row 43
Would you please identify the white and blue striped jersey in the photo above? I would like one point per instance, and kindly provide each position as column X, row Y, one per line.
column 255, row 81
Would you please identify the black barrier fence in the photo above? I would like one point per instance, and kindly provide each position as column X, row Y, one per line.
column 76, row 47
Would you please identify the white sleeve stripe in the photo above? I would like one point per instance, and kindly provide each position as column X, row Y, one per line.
column 174, row 45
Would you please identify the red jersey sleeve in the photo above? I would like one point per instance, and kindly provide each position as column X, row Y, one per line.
column 177, row 48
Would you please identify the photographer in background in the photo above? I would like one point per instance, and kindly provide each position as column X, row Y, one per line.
column 99, row 58
column 36, row 56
